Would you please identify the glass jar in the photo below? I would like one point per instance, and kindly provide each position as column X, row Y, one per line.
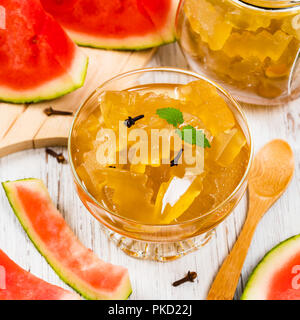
column 250, row 47
column 148, row 241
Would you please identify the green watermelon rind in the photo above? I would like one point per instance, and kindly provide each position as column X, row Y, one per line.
column 35, row 97
column 8, row 195
column 51, row 264
column 266, row 264
column 135, row 47
column 131, row 44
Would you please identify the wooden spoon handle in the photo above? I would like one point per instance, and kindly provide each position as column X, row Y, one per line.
column 226, row 281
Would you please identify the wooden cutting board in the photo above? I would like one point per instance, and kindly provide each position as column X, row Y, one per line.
column 27, row 126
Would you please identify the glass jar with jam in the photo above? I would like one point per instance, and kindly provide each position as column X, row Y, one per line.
column 251, row 47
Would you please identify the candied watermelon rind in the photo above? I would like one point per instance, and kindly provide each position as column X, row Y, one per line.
column 197, row 105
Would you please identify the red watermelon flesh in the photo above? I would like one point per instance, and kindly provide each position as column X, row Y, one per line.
column 118, row 24
column 19, row 284
column 76, row 265
column 277, row 276
column 284, row 284
column 38, row 60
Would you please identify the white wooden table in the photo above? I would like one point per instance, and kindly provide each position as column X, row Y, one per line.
column 152, row 280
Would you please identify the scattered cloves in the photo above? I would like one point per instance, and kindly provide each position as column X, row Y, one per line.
column 131, row 121
column 50, row 111
column 191, row 276
column 176, row 159
column 113, row 167
column 59, row 156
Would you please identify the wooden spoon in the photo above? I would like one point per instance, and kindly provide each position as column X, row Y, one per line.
column 271, row 172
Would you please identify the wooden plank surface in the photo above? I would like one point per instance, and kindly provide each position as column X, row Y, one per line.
column 152, row 280
column 25, row 127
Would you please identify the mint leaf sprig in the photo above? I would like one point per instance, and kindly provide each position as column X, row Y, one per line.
column 197, row 137
column 175, row 117
column 171, row 115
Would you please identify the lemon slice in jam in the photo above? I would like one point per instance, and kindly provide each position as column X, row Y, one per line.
column 175, row 197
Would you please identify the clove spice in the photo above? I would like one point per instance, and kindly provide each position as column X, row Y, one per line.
column 174, row 162
column 191, row 276
column 59, row 156
column 50, row 111
column 131, row 121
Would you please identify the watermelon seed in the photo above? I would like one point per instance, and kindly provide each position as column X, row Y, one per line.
column 34, row 40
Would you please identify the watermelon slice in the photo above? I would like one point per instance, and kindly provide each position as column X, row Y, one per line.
column 76, row 265
column 38, row 60
column 19, row 284
column 116, row 24
column 277, row 276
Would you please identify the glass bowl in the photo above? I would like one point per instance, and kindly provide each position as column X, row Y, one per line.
column 157, row 242
column 250, row 47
